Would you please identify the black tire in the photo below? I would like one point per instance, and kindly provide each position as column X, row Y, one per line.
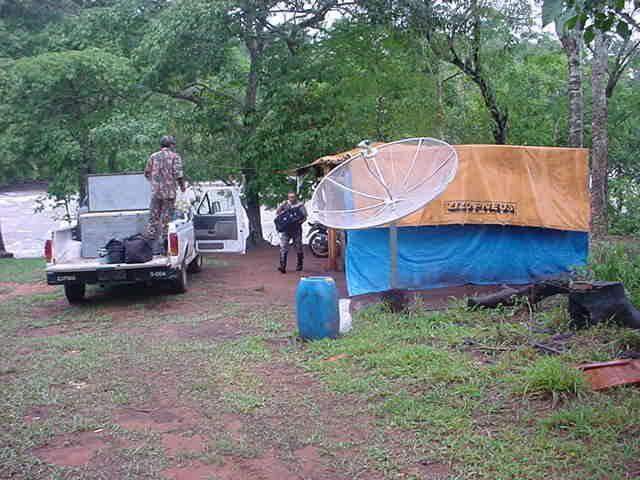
column 196, row 265
column 74, row 292
column 315, row 246
column 181, row 284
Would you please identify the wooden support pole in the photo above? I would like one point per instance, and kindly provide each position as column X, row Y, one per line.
column 332, row 261
column 393, row 252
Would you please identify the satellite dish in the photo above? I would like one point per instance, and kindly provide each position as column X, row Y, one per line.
column 383, row 184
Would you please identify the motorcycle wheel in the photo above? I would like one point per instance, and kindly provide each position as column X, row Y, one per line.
column 318, row 243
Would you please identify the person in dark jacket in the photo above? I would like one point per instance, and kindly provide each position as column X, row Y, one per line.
column 293, row 234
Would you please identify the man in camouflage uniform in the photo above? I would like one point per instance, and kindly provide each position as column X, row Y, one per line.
column 164, row 172
column 293, row 233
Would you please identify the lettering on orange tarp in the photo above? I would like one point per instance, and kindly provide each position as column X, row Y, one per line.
column 481, row 207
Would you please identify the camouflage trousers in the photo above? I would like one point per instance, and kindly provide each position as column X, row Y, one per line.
column 286, row 238
column 161, row 213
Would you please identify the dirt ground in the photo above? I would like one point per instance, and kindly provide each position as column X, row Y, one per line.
column 256, row 272
column 302, row 432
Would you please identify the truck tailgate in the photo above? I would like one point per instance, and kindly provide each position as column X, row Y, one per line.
column 92, row 264
column 90, row 271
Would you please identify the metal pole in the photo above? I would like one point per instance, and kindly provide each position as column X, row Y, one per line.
column 393, row 252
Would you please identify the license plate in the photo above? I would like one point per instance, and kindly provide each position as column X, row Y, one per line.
column 112, row 275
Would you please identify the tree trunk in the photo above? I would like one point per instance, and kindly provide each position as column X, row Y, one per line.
column 3, row 250
column 499, row 116
column 87, row 168
column 82, row 186
column 250, row 102
column 112, row 162
column 572, row 45
column 600, row 138
column 473, row 69
column 253, row 210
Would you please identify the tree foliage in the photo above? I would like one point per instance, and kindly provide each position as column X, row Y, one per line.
column 253, row 88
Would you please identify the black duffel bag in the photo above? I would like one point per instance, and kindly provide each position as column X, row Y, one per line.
column 137, row 249
column 114, row 251
column 289, row 219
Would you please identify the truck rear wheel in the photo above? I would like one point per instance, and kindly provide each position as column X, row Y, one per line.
column 196, row 264
column 74, row 292
column 181, row 283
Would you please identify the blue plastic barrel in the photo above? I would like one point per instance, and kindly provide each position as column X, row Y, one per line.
column 317, row 308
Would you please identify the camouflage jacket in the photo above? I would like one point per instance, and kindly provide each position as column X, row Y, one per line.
column 163, row 170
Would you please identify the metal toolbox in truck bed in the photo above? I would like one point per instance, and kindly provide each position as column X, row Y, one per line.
column 118, row 191
column 96, row 229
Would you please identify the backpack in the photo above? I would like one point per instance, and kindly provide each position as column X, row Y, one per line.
column 114, row 251
column 289, row 220
column 137, row 249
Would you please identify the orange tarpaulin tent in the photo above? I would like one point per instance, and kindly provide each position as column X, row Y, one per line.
column 545, row 187
column 499, row 184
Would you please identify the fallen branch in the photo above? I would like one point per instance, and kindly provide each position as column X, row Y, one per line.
column 510, row 296
column 546, row 348
column 589, row 302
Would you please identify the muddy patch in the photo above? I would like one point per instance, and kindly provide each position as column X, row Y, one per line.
column 163, row 419
column 266, row 467
column 71, row 450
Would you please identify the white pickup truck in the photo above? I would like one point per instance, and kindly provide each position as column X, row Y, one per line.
column 117, row 207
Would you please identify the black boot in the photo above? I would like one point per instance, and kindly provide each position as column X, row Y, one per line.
column 300, row 262
column 283, row 262
column 157, row 247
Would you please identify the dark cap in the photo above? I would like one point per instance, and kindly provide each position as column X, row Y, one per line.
column 168, row 141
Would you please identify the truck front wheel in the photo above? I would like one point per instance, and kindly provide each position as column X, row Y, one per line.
column 74, row 292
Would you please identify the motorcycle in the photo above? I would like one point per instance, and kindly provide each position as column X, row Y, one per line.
column 319, row 240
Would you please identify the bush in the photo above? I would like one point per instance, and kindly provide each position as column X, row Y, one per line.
column 617, row 262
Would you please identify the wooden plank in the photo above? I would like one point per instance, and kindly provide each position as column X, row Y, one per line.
column 611, row 374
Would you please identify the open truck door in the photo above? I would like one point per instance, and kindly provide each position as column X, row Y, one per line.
column 219, row 220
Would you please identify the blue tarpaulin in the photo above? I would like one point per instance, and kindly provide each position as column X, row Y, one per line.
column 453, row 255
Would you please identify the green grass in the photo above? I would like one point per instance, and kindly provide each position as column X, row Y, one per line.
column 468, row 387
column 551, row 376
column 23, row 270
column 462, row 387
